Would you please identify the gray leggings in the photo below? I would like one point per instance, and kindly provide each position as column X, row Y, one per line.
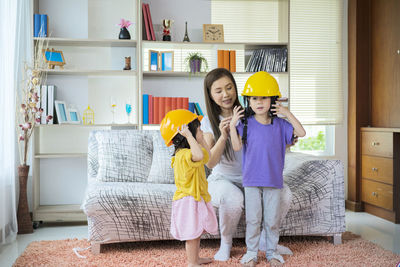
column 227, row 194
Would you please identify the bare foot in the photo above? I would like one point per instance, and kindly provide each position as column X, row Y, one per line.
column 193, row 265
column 275, row 263
column 250, row 264
column 205, row 260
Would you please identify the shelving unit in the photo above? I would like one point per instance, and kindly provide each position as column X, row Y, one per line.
column 93, row 72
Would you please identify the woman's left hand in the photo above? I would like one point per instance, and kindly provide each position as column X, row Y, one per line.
column 277, row 108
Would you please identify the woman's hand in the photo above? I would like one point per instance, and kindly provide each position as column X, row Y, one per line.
column 279, row 109
column 237, row 115
column 224, row 127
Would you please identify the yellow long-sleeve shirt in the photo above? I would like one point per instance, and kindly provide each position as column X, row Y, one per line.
column 190, row 176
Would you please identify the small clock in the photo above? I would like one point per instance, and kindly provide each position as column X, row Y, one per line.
column 213, row 33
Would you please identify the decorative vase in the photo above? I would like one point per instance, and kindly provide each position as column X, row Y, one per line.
column 195, row 65
column 124, row 33
column 23, row 216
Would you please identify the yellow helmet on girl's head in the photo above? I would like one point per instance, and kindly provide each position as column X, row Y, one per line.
column 173, row 120
column 261, row 84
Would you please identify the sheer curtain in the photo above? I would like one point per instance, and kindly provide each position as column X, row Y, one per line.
column 15, row 49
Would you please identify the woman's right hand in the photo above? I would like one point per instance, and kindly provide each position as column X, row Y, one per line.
column 237, row 115
column 224, row 127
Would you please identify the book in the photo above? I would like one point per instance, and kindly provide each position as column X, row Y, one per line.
column 43, row 103
column 156, row 111
column 200, row 112
column 51, row 96
column 161, row 111
column 36, row 25
column 174, row 103
column 153, row 35
column 151, row 109
column 145, row 109
column 43, row 25
column 226, row 59
column 191, row 107
column 168, row 104
column 146, row 23
column 232, row 60
column 180, row 103
column 185, row 103
column 220, row 58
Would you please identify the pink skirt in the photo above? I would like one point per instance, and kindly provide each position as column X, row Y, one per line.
column 191, row 218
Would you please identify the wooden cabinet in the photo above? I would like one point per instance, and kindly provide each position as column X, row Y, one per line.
column 380, row 170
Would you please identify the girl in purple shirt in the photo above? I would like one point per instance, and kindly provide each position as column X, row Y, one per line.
column 264, row 137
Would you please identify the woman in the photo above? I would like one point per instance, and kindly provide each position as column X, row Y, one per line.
column 225, row 182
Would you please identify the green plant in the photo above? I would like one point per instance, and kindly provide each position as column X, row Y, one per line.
column 196, row 56
column 311, row 143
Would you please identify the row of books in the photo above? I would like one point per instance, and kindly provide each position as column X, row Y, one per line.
column 47, row 97
column 227, row 59
column 40, row 25
column 155, row 107
column 148, row 31
column 268, row 59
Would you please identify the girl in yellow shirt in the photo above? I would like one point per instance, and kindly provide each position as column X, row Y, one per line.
column 192, row 213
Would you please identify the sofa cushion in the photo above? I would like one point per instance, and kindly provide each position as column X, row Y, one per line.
column 124, row 156
column 161, row 171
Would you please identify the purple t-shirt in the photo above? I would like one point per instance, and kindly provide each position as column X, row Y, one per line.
column 264, row 155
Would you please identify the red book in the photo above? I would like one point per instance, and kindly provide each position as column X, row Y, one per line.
column 150, row 109
column 153, row 36
column 186, row 103
column 232, row 60
column 156, row 118
column 220, row 58
column 146, row 23
column 226, row 59
column 179, row 104
column 161, row 112
column 174, row 103
column 168, row 104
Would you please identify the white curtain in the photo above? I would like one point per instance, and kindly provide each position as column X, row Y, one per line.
column 15, row 49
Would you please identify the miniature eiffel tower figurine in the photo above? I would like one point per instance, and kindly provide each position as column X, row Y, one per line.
column 186, row 38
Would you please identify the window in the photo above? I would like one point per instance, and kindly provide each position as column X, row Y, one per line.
column 320, row 140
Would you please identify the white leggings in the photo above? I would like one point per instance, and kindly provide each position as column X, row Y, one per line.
column 227, row 194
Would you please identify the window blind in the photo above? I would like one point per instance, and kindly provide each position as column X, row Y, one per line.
column 315, row 61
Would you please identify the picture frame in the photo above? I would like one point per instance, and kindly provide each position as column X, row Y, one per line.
column 61, row 111
column 167, row 60
column 154, row 60
column 73, row 115
column 53, row 58
column 213, row 33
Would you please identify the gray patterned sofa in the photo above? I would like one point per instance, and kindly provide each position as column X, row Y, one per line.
column 131, row 184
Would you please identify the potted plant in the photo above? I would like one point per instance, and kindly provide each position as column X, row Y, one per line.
column 195, row 60
column 124, row 33
column 28, row 114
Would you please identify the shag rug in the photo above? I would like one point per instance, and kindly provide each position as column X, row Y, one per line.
column 307, row 251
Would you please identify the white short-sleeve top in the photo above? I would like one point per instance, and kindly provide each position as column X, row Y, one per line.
column 224, row 167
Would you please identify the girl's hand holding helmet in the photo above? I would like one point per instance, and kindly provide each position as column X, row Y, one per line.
column 237, row 115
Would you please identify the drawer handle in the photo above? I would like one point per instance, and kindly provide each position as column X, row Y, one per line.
column 375, row 169
column 375, row 194
column 374, row 143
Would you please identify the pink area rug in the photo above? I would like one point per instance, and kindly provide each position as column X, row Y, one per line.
column 308, row 251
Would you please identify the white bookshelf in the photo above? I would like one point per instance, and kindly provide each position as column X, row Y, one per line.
column 87, row 34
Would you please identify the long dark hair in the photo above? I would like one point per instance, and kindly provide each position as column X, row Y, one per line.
column 248, row 112
column 180, row 141
column 213, row 110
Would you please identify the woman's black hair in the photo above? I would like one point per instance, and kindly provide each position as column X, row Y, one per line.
column 180, row 141
column 248, row 112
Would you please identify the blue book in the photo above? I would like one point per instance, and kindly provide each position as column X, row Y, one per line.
column 199, row 109
column 145, row 109
column 36, row 25
column 43, row 25
column 191, row 107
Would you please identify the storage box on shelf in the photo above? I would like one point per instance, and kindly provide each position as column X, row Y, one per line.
column 380, row 170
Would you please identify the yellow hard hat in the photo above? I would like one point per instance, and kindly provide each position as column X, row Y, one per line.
column 173, row 120
column 261, row 84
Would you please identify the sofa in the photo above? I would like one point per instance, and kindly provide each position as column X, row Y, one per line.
column 131, row 185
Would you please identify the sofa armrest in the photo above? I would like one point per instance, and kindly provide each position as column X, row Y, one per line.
column 92, row 158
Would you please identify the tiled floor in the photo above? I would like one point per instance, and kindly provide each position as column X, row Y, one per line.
column 377, row 230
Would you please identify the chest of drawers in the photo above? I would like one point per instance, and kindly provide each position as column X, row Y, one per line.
column 380, row 166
